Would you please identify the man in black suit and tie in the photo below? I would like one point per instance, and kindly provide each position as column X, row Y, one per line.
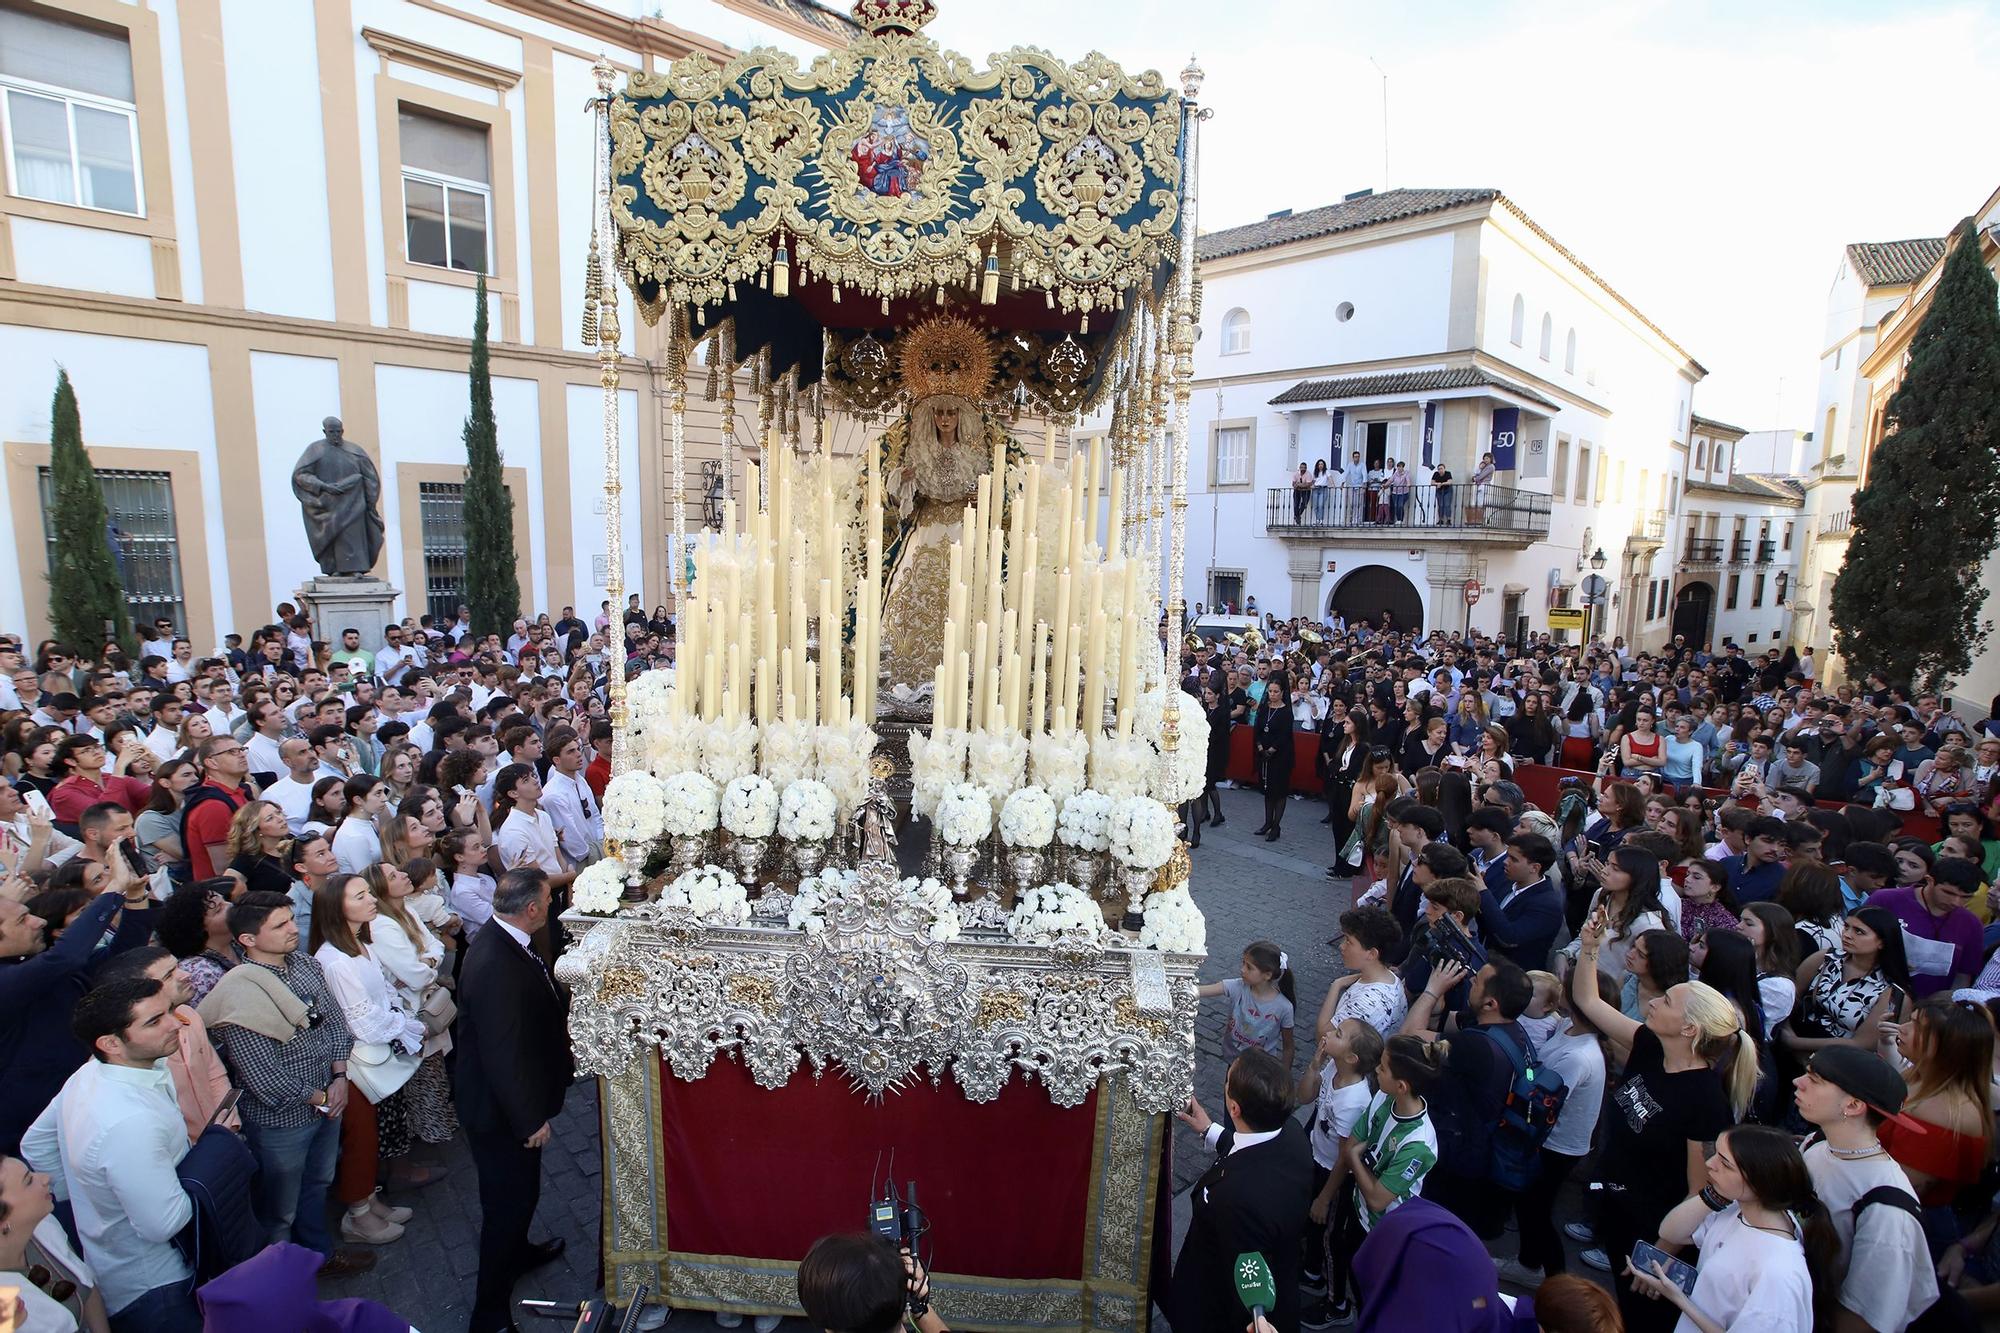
column 1255, row 1197
column 1522, row 924
column 513, row 1069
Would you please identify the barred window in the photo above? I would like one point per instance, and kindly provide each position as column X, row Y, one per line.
column 145, row 544
column 441, row 516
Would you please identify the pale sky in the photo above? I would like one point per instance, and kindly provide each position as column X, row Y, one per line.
column 1708, row 159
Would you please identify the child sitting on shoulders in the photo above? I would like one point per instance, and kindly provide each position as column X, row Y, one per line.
column 1543, row 1016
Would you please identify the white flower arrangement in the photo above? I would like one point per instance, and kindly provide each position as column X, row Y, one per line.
column 1181, row 774
column 712, row 894
column 1059, row 762
column 1028, row 818
column 728, row 749
column 1120, row 768
column 936, row 762
column 1140, row 834
column 806, row 812
column 635, row 808
column 787, row 752
column 750, row 807
column 928, row 895
column 815, row 892
column 1048, row 911
column 694, row 804
column 842, row 751
column 1085, row 821
column 598, row 887
column 648, row 689
column 672, row 744
column 964, row 814
column 1173, row 923
column 997, row 761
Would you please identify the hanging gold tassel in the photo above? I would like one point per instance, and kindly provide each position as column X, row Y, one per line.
column 593, row 284
column 781, row 272
column 989, row 286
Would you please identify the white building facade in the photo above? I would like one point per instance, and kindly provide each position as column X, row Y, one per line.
column 1432, row 327
column 228, row 219
column 1741, row 539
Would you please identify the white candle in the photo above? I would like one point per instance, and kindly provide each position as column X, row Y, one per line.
column 829, row 651
column 1039, row 684
column 1114, row 516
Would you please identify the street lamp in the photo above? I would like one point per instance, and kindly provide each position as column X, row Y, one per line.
column 1593, row 593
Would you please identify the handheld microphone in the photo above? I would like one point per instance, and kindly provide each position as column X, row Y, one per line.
column 1255, row 1286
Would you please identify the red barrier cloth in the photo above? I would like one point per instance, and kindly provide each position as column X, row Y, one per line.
column 762, row 1174
column 1243, row 758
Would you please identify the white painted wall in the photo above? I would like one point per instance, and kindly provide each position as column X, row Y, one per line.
column 439, row 307
column 589, row 537
column 422, row 414
column 53, row 254
column 574, row 86
column 180, row 150
column 175, row 412
column 290, row 396
column 279, row 145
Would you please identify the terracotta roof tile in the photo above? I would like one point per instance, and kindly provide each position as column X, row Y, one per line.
column 1367, row 211
column 1893, row 263
column 1404, row 381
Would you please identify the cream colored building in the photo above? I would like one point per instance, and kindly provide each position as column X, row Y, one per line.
column 229, row 219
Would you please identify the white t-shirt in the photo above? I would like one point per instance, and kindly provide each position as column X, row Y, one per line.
column 1580, row 1061
column 294, row 798
column 1888, row 1258
column 1339, row 1109
column 1777, row 994
column 1749, row 1279
column 1380, row 1004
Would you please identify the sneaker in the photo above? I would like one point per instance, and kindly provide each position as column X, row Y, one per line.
column 766, row 1323
column 1312, row 1284
column 1225, row 785
column 728, row 1319
column 1326, row 1314
column 1580, row 1232
column 365, row 1228
column 346, row 1263
column 654, row 1317
column 1517, row 1274
column 1597, row 1259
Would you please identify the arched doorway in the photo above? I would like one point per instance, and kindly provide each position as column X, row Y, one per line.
column 1372, row 589
column 1694, row 612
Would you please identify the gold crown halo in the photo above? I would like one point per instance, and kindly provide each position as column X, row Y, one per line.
column 880, row 16
column 946, row 356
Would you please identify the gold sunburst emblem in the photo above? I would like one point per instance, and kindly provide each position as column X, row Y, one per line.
column 946, row 355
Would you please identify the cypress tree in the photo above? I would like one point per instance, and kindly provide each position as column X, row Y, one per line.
column 492, row 579
column 1907, row 601
column 84, row 588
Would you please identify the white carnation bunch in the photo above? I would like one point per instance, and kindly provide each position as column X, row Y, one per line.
column 635, row 808
column 1053, row 909
column 787, row 752
column 997, row 761
column 1140, row 834
column 936, row 761
column 1085, row 821
column 1181, row 774
column 964, row 814
column 1120, row 768
column 672, row 744
column 842, row 751
column 1173, row 924
column 728, row 749
column 1059, row 762
column 1028, row 818
column 815, row 892
column 750, row 807
column 806, row 812
column 712, row 894
column 598, row 887
column 934, row 897
column 694, row 804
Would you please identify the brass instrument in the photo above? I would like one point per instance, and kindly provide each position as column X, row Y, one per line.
column 1233, row 639
column 1253, row 639
column 1312, row 636
column 1194, row 643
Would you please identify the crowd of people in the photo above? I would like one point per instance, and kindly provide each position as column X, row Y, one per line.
column 298, row 898
column 1724, row 1014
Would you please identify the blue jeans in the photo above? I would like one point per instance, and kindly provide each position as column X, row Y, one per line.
column 294, row 1172
column 168, row 1309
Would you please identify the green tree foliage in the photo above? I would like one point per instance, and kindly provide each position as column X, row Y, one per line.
column 492, row 577
column 84, row 588
column 1907, row 601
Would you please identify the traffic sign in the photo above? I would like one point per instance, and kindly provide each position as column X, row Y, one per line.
column 1594, row 588
column 1471, row 591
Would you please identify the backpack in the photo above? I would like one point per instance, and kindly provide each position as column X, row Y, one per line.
column 197, row 797
column 1948, row 1313
column 1535, row 1099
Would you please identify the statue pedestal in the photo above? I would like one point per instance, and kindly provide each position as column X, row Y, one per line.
column 359, row 602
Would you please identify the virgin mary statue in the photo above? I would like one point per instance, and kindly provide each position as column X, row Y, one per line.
column 946, row 448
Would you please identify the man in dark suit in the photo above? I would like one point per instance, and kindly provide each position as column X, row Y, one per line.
column 1522, row 924
column 1255, row 1197
column 513, row 1068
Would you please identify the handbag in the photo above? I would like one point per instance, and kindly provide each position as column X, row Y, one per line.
column 378, row 1070
column 438, row 1011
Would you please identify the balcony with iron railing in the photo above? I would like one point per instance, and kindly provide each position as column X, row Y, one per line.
column 1702, row 552
column 1495, row 515
column 1767, row 551
column 1739, row 551
column 1648, row 530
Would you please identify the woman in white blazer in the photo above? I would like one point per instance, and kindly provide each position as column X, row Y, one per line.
column 410, row 956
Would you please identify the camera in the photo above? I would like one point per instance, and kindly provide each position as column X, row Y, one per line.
column 1442, row 941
